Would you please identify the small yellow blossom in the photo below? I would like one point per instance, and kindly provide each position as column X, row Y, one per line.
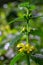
column 21, row 50
column 20, row 45
column 25, row 47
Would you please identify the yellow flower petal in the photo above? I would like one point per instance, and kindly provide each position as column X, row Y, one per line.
column 25, row 47
column 21, row 50
column 20, row 45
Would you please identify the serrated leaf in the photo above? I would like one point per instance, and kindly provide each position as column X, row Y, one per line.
column 16, row 58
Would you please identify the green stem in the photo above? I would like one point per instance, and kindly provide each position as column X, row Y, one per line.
column 27, row 41
column 28, row 59
column 27, row 33
column 27, row 38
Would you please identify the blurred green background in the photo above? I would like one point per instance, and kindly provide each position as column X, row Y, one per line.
column 9, row 11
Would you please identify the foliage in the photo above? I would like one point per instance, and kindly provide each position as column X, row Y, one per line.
column 27, row 29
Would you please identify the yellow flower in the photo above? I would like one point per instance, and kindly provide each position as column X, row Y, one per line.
column 25, row 47
column 21, row 49
column 20, row 45
column 31, row 48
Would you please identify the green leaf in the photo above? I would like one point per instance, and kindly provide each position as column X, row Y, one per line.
column 37, row 32
column 16, row 20
column 25, row 4
column 16, row 39
column 38, row 58
column 32, row 7
column 16, row 58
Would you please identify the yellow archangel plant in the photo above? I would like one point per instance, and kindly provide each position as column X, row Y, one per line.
column 25, row 47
